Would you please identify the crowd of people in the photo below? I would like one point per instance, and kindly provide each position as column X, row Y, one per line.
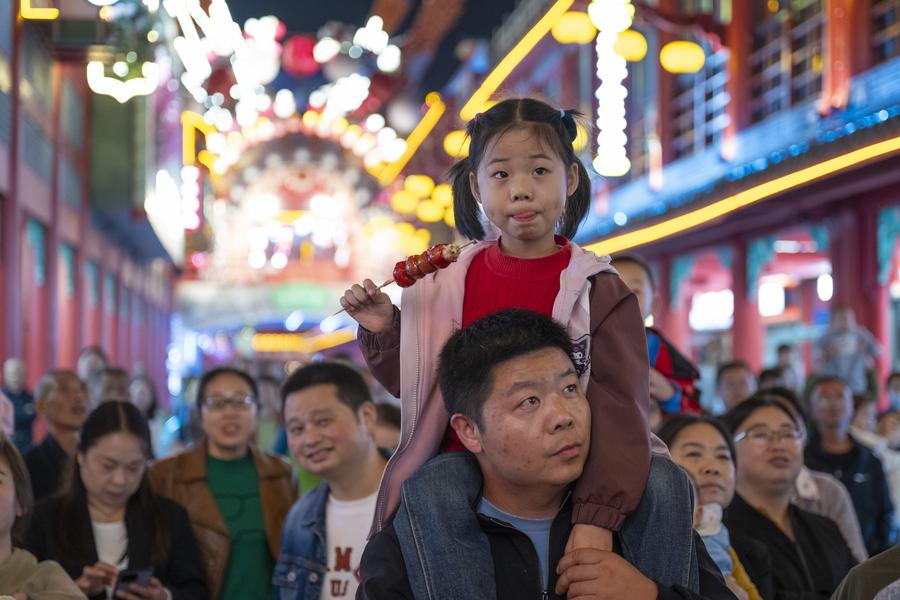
column 550, row 445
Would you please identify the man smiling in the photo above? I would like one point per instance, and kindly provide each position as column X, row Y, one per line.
column 330, row 420
column 510, row 385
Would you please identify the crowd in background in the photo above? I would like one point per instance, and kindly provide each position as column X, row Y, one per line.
column 795, row 484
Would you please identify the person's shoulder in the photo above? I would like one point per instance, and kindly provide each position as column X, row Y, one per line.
column 607, row 290
column 869, row 577
column 49, row 505
column 385, row 539
column 272, row 465
column 175, row 514
column 889, row 560
column 820, row 524
column 172, row 463
column 42, row 517
column 382, row 569
column 34, row 454
column 309, row 502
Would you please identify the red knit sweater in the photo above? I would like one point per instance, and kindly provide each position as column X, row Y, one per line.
column 496, row 281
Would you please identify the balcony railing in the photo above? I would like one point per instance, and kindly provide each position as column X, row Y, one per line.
column 698, row 106
column 885, row 30
column 786, row 60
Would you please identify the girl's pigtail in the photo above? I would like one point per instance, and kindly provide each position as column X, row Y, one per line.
column 466, row 211
column 577, row 204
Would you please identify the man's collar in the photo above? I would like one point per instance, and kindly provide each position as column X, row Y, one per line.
column 566, row 506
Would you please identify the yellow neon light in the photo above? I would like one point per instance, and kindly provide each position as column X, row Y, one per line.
column 26, row 11
column 123, row 91
column 190, row 123
column 436, row 108
column 757, row 193
column 480, row 100
column 287, row 342
column 208, row 160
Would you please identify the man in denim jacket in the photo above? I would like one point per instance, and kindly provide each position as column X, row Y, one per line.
column 510, row 385
column 330, row 418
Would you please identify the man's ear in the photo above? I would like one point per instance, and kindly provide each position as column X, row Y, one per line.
column 468, row 432
column 655, row 304
column 40, row 407
column 367, row 414
column 473, row 185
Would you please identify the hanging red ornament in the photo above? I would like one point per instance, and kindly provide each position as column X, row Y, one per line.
column 297, row 56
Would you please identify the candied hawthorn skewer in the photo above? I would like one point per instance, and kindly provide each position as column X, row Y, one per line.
column 407, row 272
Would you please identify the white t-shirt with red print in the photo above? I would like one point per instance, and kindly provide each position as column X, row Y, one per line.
column 347, row 524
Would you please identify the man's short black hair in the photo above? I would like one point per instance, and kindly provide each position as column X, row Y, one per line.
column 732, row 364
column 638, row 260
column 97, row 350
column 213, row 373
column 771, row 374
column 388, row 414
column 890, row 378
column 784, row 348
column 467, row 361
column 821, row 380
column 351, row 387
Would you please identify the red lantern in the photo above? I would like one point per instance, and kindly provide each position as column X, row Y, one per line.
column 297, row 56
column 221, row 81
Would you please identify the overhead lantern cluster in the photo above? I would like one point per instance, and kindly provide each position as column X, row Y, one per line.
column 420, row 196
column 608, row 24
column 456, row 144
column 576, row 27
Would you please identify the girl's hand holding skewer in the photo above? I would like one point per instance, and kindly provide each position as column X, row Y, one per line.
column 369, row 306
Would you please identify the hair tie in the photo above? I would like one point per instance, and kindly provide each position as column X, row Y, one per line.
column 568, row 122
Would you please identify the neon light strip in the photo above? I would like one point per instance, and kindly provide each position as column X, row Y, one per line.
column 753, row 195
column 286, row 342
column 37, row 14
column 480, row 100
column 123, row 91
column 190, row 122
column 436, row 108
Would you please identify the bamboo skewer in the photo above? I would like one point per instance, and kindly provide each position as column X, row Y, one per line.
column 390, row 281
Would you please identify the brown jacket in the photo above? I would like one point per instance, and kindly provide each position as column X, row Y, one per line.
column 183, row 479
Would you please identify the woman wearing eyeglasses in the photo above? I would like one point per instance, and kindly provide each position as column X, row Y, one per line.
column 702, row 446
column 809, row 554
column 236, row 496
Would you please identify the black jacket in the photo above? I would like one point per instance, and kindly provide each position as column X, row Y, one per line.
column 808, row 569
column 863, row 475
column 182, row 572
column 516, row 565
column 46, row 462
column 757, row 561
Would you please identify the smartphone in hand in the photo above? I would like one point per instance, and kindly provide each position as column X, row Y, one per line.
column 127, row 577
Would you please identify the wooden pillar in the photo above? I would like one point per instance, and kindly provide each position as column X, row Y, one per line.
column 664, row 91
column 739, row 42
column 854, row 262
column 875, row 296
column 839, row 59
column 54, row 289
column 747, row 330
column 12, row 208
column 673, row 310
column 860, row 36
column 808, row 301
column 844, row 248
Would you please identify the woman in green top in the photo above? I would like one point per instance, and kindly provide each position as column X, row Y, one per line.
column 236, row 496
